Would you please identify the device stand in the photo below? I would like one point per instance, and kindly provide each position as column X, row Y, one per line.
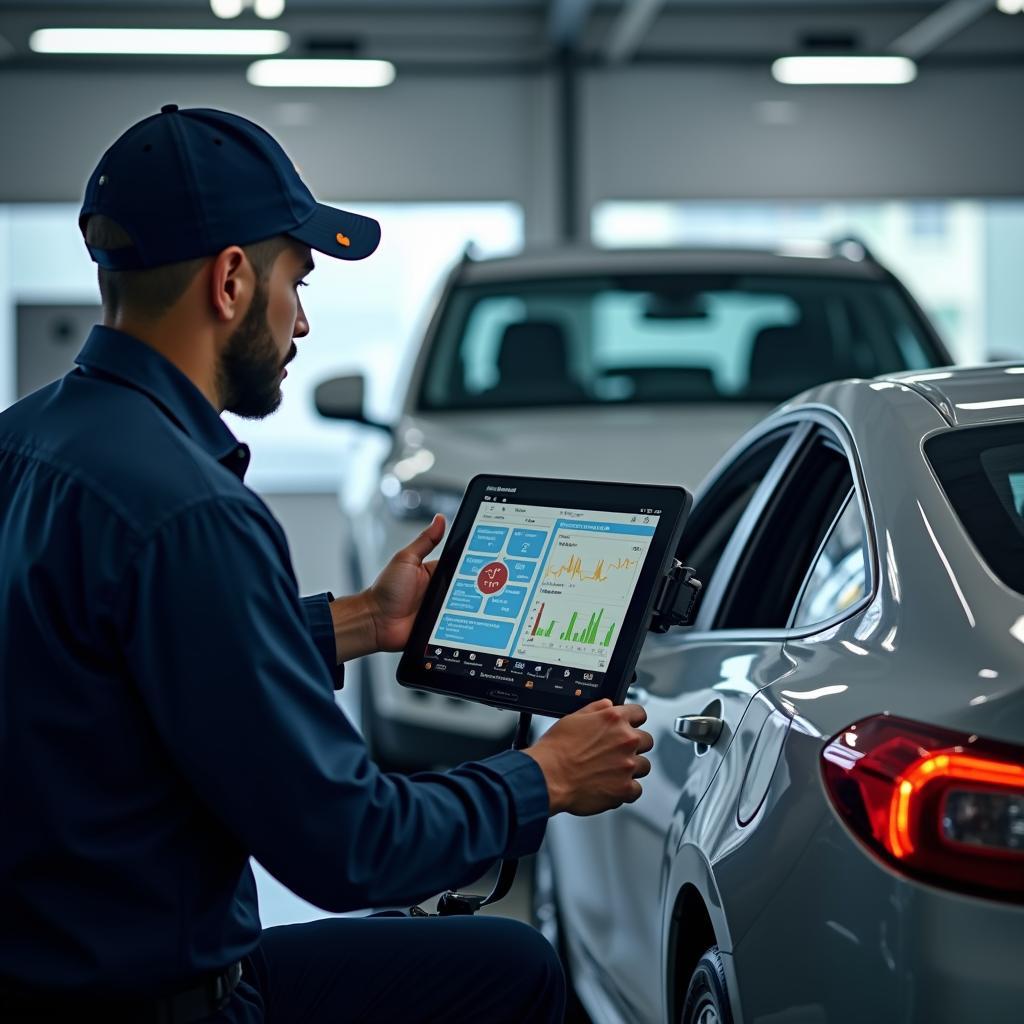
column 452, row 904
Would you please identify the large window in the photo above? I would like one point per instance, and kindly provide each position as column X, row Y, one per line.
column 960, row 258
column 363, row 316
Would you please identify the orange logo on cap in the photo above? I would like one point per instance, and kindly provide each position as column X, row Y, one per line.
column 342, row 240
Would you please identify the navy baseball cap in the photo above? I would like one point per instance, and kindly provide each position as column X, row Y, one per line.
column 187, row 183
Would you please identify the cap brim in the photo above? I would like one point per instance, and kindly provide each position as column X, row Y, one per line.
column 338, row 233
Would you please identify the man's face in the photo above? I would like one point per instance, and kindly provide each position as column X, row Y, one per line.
column 252, row 364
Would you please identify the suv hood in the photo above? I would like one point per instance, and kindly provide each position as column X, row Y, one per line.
column 637, row 444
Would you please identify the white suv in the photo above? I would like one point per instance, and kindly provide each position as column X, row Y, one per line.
column 605, row 365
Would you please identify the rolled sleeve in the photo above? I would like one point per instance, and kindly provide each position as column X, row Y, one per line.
column 317, row 611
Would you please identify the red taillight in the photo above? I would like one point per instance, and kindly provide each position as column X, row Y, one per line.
column 938, row 805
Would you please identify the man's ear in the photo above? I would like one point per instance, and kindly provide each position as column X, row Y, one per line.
column 232, row 284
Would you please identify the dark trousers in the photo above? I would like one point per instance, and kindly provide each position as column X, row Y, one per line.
column 484, row 970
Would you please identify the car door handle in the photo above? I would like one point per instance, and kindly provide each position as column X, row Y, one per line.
column 699, row 728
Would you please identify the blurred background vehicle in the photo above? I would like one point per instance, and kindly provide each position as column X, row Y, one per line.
column 847, row 843
column 597, row 364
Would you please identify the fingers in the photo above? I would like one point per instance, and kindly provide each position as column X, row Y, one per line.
column 427, row 540
column 634, row 714
column 643, row 767
column 646, row 742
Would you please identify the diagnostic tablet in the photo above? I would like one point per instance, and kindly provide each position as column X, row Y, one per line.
column 544, row 592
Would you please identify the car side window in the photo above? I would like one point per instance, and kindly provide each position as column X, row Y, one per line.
column 714, row 518
column 769, row 574
column 839, row 577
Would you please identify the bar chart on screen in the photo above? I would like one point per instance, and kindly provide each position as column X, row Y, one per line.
column 585, row 588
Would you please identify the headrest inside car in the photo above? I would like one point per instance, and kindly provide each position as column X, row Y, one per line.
column 787, row 360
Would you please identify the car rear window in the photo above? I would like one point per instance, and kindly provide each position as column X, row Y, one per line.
column 666, row 338
column 981, row 470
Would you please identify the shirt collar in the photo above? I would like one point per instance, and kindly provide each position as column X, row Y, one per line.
column 130, row 361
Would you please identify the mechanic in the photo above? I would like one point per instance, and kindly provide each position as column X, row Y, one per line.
column 166, row 698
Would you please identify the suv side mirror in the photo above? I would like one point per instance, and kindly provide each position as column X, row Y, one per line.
column 341, row 398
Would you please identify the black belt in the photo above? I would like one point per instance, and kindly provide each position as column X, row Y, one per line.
column 186, row 1006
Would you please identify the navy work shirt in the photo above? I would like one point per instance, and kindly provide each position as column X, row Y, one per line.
column 166, row 703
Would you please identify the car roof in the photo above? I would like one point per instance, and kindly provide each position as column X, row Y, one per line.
column 586, row 261
column 962, row 395
column 971, row 395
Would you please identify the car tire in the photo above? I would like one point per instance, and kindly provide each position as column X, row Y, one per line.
column 707, row 999
column 547, row 920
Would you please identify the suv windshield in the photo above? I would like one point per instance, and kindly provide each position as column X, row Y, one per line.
column 666, row 338
column 981, row 470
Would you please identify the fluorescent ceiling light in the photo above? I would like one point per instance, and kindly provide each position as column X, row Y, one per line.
column 245, row 42
column 844, row 70
column 1010, row 6
column 226, row 8
column 319, row 74
column 268, row 8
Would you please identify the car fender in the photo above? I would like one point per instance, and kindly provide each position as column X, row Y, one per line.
column 690, row 870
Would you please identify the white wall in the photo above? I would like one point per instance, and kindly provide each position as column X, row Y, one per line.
column 424, row 138
column 704, row 133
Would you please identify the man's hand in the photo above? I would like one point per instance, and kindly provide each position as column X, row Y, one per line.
column 380, row 618
column 397, row 593
column 592, row 758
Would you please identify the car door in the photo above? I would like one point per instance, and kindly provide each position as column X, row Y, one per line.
column 588, row 852
column 711, row 670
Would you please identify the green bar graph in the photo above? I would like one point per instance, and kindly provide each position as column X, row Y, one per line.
column 588, row 633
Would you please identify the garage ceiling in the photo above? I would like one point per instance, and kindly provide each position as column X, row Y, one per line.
column 523, row 34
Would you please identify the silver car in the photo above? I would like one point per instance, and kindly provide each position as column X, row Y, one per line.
column 613, row 365
column 833, row 829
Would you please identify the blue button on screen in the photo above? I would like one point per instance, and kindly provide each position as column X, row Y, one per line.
column 528, row 543
column 488, row 538
column 520, row 571
column 465, row 597
column 457, row 629
column 472, row 564
column 508, row 603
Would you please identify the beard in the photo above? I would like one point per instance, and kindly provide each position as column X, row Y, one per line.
column 249, row 369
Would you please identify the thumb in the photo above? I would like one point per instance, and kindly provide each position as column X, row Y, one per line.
column 428, row 539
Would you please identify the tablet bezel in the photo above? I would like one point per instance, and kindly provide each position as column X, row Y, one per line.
column 675, row 503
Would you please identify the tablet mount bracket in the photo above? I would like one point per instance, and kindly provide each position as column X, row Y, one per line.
column 677, row 600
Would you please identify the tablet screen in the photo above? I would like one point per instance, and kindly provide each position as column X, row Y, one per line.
column 540, row 594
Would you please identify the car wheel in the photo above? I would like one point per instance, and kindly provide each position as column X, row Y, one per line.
column 707, row 1000
column 547, row 920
